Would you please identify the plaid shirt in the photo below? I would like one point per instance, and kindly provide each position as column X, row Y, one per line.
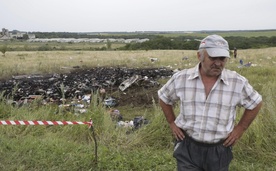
column 208, row 119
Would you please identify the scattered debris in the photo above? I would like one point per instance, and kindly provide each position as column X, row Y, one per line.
column 248, row 64
column 245, row 65
column 125, row 124
column 125, row 84
column 110, row 102
column 241, row 61
column 74, row 91
column 79, row 84
column 134, row 124
column 153, row 59
column 115, row 115
column 139, row 121
column 185, row 58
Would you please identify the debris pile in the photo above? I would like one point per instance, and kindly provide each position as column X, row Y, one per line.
column 80, row 84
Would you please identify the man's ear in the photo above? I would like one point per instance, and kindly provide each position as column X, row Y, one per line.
column 198, row 56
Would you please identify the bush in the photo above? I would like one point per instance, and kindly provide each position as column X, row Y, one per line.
column 45, row 47
column 4, row 49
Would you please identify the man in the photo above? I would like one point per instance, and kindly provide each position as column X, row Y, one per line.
column 205, row 128
column 235, row 52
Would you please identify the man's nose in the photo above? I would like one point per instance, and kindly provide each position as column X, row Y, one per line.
column 218, row 62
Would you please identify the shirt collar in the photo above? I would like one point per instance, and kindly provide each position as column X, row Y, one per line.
column 195, row 74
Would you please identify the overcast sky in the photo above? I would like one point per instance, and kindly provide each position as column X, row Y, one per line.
column 136, row 15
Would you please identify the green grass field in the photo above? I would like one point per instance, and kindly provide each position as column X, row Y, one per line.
column 71, row 147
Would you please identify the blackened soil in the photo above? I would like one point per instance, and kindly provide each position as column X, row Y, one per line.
column 79, row 82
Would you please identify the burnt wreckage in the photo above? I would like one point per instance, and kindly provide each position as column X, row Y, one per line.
column 78, row 83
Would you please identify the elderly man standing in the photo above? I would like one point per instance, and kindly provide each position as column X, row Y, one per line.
column 205, row 129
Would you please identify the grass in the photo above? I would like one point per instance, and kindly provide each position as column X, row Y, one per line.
column 16, row 63
column 32, row 46
column 71, row 147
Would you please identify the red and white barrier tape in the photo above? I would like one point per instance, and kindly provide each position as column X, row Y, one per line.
column 45, row 123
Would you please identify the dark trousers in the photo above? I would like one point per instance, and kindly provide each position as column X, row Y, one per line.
column 194, row 156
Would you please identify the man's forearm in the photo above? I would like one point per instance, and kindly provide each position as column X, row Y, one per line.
column 249, row 116
column 168, row 111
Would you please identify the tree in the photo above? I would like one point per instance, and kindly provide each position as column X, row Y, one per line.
column 109, row 44
column 3, row 49
column 25, row 37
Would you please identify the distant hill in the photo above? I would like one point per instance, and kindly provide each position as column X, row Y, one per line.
column 149, row 34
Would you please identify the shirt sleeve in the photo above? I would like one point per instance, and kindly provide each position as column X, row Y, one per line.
column 250, row 97
column 168, row 93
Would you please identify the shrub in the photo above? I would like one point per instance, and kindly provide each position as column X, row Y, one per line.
column 3, row 49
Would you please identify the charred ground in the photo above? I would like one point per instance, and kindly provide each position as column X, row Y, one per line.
column 80, row 82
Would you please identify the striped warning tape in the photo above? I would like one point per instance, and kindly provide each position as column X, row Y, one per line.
column 17, row 122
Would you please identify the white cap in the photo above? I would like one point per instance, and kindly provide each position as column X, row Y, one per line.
column 215, row 45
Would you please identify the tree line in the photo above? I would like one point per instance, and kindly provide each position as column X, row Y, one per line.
column 110, row 35
column 183, row 43
column 157, row 41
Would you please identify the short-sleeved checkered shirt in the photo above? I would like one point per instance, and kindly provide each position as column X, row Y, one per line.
column 208, row 119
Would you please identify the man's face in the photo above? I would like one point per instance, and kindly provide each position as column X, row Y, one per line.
column 212, row 66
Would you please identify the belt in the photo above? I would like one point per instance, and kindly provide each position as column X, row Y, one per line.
column 187, row 137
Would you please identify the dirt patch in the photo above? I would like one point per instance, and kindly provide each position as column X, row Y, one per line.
column 137, row 96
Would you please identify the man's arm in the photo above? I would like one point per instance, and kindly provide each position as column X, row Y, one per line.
column 170, row 116
column 241, row 127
